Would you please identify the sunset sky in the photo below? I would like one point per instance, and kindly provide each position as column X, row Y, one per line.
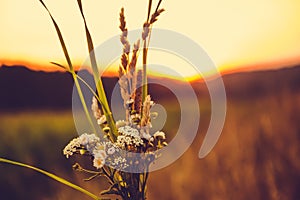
column 237, row 34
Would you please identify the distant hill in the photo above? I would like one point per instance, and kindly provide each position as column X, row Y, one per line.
column 261, row 83
column 23, row 89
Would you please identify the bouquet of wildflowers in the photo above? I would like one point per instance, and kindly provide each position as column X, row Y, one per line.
column 125, row 149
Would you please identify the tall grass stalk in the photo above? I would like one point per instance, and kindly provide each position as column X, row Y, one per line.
column 145, row 51
column 146, row 40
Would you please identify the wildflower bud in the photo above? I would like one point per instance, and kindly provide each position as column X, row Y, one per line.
column 82, row 151
column 159, row 134
column 102, row 120
column 106, row 129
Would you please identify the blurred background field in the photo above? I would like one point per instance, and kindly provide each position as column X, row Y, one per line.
column 257, row 156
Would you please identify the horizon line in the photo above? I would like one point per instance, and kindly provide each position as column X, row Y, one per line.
column 267, row 66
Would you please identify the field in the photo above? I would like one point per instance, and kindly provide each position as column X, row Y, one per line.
column 257, row 156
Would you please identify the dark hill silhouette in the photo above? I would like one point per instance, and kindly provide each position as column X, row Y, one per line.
column 257, row 84
column 23, row 89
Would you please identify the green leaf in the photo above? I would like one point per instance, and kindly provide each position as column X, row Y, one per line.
column 62, row 42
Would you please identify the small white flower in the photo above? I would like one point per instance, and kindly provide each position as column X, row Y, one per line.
column 84, row 139
column 128, row 140
column 98, row 162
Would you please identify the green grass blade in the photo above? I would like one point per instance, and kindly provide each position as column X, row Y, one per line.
column 62, row 42
column 71, row 68
column 82, row 80
column 97, row 79
column 50, row 175
column 96, row 75
column 61, row 66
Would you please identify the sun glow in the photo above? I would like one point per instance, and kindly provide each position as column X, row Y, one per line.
column 237, row 35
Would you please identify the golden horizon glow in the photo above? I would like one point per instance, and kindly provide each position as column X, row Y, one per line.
column 237, row 35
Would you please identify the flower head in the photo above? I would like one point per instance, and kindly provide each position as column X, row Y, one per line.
column 72, row 147
column 98, row 162
column 128, row 136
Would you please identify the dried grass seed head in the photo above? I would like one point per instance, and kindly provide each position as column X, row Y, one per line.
column 155, row 15
column 95, row 108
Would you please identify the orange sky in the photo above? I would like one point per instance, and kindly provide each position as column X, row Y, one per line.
column 236, row 34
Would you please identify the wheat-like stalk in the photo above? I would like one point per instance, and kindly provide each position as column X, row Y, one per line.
column 124, row 40
column 155, row 15
column 146, row 111
column 127, row 71
column 146, row 34
column 132, row 68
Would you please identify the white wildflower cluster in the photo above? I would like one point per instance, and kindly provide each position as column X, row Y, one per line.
column 119, row 163
column 114, row 156
column 84, row 141
column 89, row 141
column 102, row 152
column 128, row 137
column 72, row 147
